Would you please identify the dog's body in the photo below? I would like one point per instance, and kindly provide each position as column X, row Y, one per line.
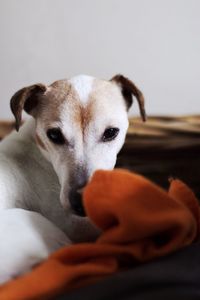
column 79, row 126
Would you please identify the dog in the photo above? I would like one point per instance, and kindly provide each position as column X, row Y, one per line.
column 77, row 127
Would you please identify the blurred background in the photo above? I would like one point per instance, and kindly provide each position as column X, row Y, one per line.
column 156, row 43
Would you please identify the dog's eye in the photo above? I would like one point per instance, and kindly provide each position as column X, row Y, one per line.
column 110, row 134
column 56, row 136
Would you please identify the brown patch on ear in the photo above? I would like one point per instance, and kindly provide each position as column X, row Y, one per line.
column 27, row 99
column 39, row 142
column 129, row 89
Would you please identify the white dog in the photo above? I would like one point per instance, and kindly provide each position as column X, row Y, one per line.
column 78, row 126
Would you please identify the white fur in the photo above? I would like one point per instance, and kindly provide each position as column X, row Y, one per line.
column 38, row 180
column 27, row 238
column 83, row 86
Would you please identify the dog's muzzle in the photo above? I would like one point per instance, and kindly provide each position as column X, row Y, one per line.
column 75, row 199
column 78, row 180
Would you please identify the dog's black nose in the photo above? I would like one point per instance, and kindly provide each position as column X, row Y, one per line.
column 75, row 199
column 78, row 181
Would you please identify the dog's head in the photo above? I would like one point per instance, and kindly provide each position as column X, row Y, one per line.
column 81, row 125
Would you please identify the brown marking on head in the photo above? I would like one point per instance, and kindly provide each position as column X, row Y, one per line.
column 39, row 142
column 80, row 114
column 86, row 115
column 128, row 89
column 51, row 104
column 41, row 101
column 46, row 103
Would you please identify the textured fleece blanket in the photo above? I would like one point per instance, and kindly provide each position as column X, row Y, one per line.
column 139, row 222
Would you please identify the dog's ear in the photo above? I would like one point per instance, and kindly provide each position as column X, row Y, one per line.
column 129, row 89
column 27, row 99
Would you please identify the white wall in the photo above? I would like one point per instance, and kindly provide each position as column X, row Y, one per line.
column 154, row 42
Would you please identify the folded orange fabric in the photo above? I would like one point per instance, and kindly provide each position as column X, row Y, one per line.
column 139, row 222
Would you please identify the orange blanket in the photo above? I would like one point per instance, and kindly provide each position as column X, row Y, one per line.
column 139, row 220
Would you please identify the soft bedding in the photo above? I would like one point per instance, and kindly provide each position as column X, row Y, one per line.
column 139, row 222
column 172, row 277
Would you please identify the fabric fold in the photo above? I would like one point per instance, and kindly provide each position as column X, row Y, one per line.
column 139, row 222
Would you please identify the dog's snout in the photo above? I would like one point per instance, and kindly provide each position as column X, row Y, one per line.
column 78, row 180
column 75, row 199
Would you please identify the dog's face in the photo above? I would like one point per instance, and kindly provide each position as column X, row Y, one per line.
column 81, row 125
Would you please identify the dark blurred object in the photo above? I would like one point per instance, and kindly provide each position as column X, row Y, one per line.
column 162, row 147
